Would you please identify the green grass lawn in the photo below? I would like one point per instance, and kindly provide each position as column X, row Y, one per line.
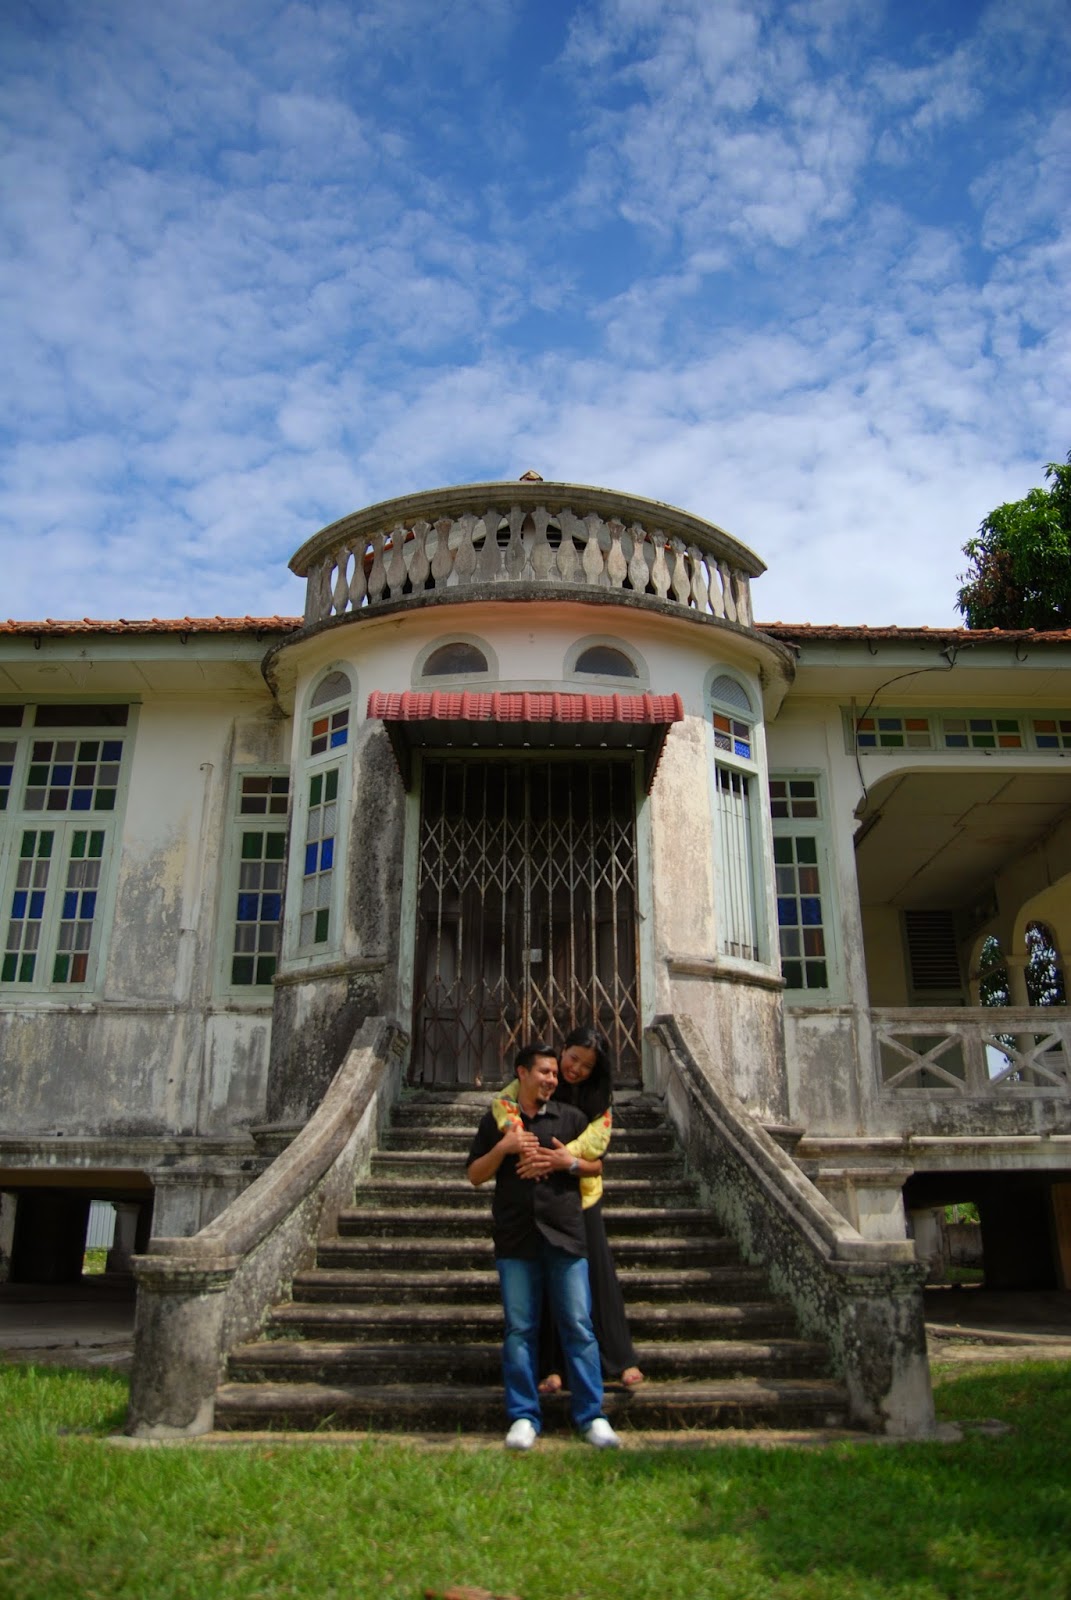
column 989, row 1516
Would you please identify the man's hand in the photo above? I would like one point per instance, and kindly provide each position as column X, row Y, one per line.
column 516, row 1141
column 542, row 1161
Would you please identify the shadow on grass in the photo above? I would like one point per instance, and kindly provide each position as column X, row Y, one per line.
column 991, row 1510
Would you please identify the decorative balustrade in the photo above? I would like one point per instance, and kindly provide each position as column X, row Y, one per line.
column 536, row 534
column 982, row 1050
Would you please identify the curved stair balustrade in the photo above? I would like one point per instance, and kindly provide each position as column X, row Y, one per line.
column 198, row 1297
column 863, row 1295
column 563, row 538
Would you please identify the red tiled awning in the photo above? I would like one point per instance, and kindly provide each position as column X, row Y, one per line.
column 502, row 720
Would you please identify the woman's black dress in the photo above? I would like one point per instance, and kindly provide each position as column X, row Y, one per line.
column 607, row 1302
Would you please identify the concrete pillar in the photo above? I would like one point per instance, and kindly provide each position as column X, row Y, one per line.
column 124, row 1240
column 928, row 1228
column 8, row 1208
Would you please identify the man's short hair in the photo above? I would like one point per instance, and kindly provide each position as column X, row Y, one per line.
column 532, row 1052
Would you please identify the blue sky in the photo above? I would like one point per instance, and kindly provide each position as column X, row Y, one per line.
column 799, row 266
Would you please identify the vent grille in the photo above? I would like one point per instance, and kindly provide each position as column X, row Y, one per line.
column 933, row 951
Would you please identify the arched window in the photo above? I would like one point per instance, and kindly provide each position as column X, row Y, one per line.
column 1044, row 974
column 325, row 785
column 731, row 732
column 736, row 834
column 331, row 728
column 448, row 660
column 606, row 661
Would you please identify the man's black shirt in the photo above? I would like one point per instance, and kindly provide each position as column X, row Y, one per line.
column 523, row 1209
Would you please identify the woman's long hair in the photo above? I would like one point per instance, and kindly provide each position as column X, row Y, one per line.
column 594, row 1095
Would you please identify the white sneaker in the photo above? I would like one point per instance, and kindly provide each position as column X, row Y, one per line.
column 601, row 1435
column 522, row 1435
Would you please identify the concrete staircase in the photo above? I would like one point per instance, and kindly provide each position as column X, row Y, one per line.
column 398, row 1325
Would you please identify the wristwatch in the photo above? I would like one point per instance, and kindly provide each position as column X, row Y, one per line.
column 575, row 1167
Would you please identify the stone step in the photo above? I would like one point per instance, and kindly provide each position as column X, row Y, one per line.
column 334, row 1362
column 362, row 1285
column 417, row 1165
column 435, row 1221
column 451, row 1253
column 465, row 1111
column 458, row 1140
column 458, row 1194
column 749, row 1402
column 324, row 1315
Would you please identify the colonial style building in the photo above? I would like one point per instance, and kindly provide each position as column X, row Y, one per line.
column 528, row 760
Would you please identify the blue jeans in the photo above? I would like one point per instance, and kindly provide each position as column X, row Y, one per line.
column 566, row 1280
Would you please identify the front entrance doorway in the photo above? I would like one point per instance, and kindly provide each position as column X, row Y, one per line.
column 526, row 914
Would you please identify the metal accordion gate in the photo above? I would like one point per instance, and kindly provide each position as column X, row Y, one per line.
column 526, row 913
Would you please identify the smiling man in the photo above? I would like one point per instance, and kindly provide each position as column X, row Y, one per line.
column 539, row 1241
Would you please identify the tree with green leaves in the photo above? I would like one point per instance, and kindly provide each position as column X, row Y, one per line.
column 1020, row 575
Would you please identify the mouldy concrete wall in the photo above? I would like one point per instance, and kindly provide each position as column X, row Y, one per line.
column 682, row 872
column 316, row 1014
column 313, row 1023
column 376, row 850
column 742, row 1025
column 823, row 1071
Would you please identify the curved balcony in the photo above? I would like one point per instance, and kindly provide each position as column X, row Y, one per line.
column 468, row 542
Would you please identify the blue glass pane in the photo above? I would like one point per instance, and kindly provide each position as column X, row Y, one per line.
column 70, row 905
column 81, row 800
column 327, row 854
column 61, row 776
column 37, row 903
column 89, row 904
column 1045, row 741
column 113, row 750
column 271, row 907
column 786, row 911
column 247, row 907
column 18, row 903
column 310, row 859
column 741, row 747
column 339, row 736
column 811, row 911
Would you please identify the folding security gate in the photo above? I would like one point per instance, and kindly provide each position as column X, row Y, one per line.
column 526, row 913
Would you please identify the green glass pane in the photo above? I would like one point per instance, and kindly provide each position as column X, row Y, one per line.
column 316, row 785
column 793, row 972
column 331, row 785
column 321, row 927
column 45, row 850
column 816, row 975
column 252, row 846
column 275, row 847
column 984, row 741
column 782, row 852
column 806, row 851
column 96, row 843
column 9, row 969
column 28, row 847
column 265, row 969
column 242, row 969
column 26, row 968
column 104, row 800
column 78, row 846
column 60, row 969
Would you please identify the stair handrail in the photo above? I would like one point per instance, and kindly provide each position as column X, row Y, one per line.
column 200, row 1296
column 862, row 1296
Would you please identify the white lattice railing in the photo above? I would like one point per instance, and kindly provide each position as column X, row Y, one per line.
column 987, row 1050
column 450, row 540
